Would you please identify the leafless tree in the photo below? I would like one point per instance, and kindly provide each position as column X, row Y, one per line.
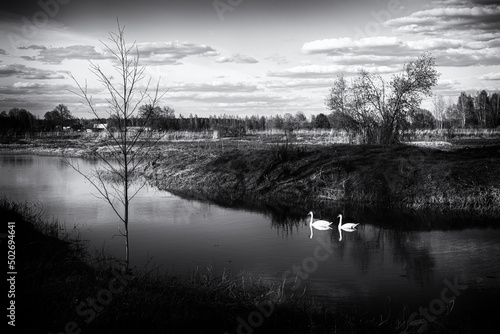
column 380, row 108
column 125, row 149
column 439, row 107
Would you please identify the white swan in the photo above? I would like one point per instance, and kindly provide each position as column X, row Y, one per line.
column 321, row 225
column 346, row 227
column 349, row 227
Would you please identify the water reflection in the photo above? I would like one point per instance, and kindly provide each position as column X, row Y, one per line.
column 320, row 225
column 393, row 254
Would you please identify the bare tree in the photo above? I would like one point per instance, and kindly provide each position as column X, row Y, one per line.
column 439, row 107
column 126, row 149
column 379, row 108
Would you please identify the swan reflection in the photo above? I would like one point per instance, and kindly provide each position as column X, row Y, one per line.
column 321, row 225
column 349, row 227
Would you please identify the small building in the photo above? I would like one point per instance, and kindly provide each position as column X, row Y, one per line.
column 99, row 127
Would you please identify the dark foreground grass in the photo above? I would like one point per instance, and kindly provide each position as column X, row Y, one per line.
column 58, row 291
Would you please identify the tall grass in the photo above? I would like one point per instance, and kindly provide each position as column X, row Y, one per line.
column 303, row 136
column 453, row 134
column 32, row 212
column 300, row 136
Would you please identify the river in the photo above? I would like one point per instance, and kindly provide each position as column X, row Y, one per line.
column 383, row 265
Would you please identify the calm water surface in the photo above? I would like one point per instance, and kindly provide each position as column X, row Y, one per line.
column 375, row 267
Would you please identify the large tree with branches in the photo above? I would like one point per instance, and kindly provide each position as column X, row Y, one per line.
column 380, row 109
column 126, row 150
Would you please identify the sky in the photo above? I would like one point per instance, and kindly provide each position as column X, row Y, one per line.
column 242, row 57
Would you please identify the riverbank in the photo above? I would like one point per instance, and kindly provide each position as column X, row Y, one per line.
column 462, row 176
column 401, row 176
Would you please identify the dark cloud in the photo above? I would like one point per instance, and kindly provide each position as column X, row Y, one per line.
column 28, row 58
column 57, row 55
column 24, row 72
column 32, row 47
column 473, row 18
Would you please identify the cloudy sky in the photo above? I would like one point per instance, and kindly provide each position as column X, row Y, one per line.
column 243, row 57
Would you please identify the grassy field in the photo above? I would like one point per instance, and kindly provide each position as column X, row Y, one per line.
column 401, row 176
column 60, row 288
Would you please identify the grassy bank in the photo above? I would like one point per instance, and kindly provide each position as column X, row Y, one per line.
column 305, row 176
column 306, row 170
column 59, row 289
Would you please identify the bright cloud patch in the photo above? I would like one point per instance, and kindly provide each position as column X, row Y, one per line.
column 327, row 71
column 213, row 87
column 237, row 58
column 490, row 76
column 347, row 44
column 169, row 53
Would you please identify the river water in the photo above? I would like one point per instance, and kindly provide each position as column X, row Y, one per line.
column 384, row 264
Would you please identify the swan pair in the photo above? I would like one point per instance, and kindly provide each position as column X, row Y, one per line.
column 323, row 225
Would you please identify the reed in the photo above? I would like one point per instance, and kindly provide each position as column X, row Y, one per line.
column 32, row 212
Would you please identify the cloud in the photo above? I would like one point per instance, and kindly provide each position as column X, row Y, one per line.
column 25, row 89
column 258, row 98
column 24, row 72
column 457, row 33
column 346, row 44
column 237, row 58
column 32, row 47
column 381, row 46
column 490, row 76
column 169, row 53
column 325, row 71
column 447, row 84
column 3, row 52
column 57, row 55
column 280, row 60
column 450, row 17
column 28, row 58
column 29, row 85
column 386, row 51
column 213, row 87
column 308, row 83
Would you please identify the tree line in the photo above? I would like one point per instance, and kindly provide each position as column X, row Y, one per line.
column 481, row 110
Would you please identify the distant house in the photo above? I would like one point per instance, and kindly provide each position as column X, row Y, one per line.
column 99, row 127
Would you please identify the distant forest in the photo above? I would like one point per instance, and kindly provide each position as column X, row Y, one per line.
column 479, row 111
